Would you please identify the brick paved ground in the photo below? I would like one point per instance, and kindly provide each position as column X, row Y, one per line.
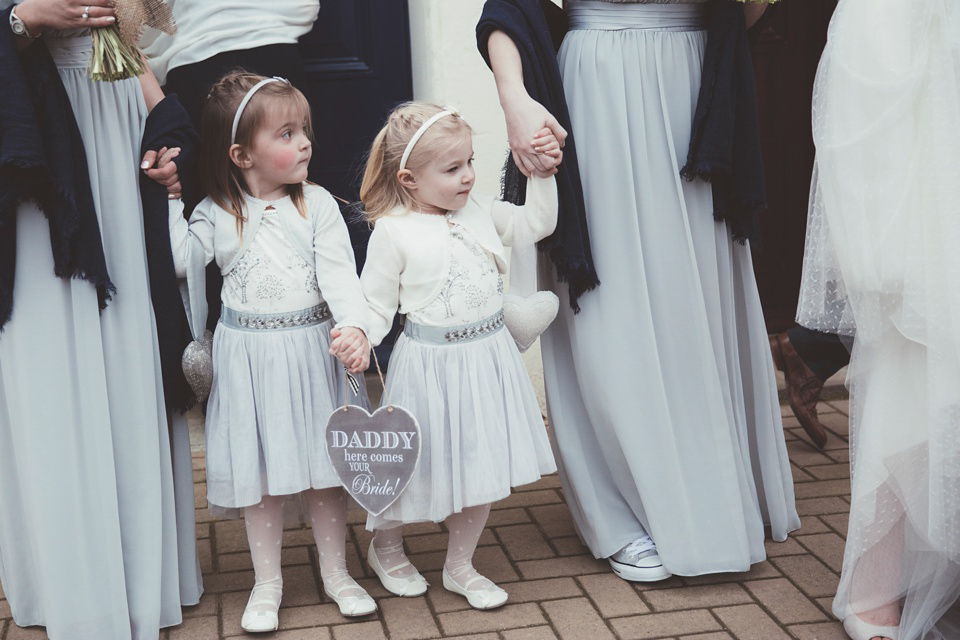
column 557, row 590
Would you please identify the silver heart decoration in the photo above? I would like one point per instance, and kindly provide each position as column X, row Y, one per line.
column 374, row 455
column 527, row 317
column 197, row 365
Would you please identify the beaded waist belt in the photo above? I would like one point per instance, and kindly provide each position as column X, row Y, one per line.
column 449, row 335
column 267, row 321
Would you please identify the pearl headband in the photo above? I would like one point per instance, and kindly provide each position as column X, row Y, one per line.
column 246, row 101
column 449, row 111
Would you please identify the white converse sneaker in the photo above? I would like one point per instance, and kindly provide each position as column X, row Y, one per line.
column 639, row 562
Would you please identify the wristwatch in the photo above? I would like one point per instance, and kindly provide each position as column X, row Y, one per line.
column 18, row 28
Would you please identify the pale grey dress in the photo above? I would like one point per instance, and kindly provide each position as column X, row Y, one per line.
column 95, row 542
column 661, row 391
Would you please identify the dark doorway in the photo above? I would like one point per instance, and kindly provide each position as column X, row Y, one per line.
column 357, row 61
column 785, row 60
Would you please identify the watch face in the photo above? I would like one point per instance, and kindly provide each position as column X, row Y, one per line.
column 18, row 27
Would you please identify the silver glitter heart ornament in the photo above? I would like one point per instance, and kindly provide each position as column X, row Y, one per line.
column 197, row 365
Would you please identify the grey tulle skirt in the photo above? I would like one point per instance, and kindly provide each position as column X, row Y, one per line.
column 481, row 428
column 273, row 393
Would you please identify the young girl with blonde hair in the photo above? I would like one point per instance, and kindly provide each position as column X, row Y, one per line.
column 289, row 273
column 437, row 254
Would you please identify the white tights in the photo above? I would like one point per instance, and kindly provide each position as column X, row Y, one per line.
column 328, row 517
column 265, row 535
column 465, row 529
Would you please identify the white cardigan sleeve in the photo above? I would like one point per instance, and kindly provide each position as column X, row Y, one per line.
column 336, row 266
column 381, row 282
column 191, row 243
column 538, row 213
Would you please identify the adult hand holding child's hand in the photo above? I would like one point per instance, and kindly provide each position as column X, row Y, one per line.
column 160, row 166
column 548, row 147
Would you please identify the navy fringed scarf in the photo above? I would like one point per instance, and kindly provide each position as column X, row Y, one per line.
column 42, row 159
column 725, row 141
column 569, row 246
column 168, row 125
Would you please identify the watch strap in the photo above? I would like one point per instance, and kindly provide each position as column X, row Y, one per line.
column 18, row 27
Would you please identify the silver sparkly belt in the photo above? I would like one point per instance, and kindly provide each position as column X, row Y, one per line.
column 447, row 335
column 267, row 321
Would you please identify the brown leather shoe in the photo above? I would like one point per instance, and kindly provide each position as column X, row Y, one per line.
column 803, row 387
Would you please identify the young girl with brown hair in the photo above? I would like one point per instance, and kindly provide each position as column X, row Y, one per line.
column 437, row 254
column 289, row 273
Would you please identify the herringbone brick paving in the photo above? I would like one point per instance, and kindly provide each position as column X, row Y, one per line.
column 557, row 589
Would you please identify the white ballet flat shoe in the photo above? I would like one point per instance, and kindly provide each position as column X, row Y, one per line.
column 858, row 629
column 262, row 621
column 408, row 586
column 352, row 606
column 489, row 598
column 639, row 562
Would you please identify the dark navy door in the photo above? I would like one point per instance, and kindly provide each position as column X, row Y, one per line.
column 357, row 61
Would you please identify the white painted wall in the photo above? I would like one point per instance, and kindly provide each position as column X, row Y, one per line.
column 448, row 70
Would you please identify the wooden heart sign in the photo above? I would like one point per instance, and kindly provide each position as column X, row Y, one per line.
column 374, row 455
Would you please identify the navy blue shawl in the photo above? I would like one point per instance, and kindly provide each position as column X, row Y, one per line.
column 725, row 141
column 168, row 125
column 42, row 159
column 568, row 246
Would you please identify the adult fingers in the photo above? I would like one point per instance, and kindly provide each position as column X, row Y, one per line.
column 540, row 163
column 164, row 175
column 558, row 131
column 148, row 159
column 97, row 10
column 174, row 191
column 521, row 163
column 94, row 15
column 529, row 161
column 543, row 133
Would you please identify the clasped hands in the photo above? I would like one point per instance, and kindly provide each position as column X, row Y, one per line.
column 351, row 347
column 160, row 166
column 540, row 154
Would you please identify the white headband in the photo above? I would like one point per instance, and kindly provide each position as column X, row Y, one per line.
column 246, row 100
column 450, row 111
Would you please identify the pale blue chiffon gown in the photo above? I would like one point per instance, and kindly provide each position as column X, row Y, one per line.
column 97, row 539
column 661, row 391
